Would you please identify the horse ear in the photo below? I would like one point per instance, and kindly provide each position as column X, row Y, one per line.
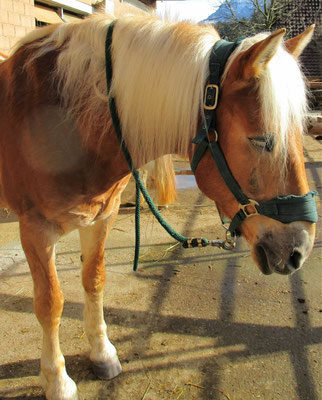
column 297, row 44
column 257, row 57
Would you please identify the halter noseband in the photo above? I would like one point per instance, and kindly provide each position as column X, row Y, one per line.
column 285, row 209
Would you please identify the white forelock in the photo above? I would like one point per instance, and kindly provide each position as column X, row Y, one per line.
column 281, row 92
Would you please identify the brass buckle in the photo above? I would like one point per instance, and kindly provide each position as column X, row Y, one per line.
column 245, row 209
column 208, row 97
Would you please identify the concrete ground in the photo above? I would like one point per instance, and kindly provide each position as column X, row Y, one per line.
column 190, row 324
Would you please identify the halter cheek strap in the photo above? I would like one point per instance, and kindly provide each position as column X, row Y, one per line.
column 285, row 209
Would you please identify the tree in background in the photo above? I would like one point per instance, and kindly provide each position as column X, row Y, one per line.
column 268, row 15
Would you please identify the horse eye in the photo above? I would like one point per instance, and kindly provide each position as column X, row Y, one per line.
column 266, row 143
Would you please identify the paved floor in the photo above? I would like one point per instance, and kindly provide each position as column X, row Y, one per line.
column 190, row 324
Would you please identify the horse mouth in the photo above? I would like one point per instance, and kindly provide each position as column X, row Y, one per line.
column 262, row 260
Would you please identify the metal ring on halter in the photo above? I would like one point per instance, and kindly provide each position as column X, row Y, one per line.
column 215, row 133
column 230, row 241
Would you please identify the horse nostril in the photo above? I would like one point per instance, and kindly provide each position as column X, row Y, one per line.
column 281, row 262
column 295, row 260
column 262, row 256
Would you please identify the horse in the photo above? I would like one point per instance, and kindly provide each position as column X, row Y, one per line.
column 62, row 167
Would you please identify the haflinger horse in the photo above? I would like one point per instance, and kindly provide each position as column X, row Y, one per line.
column 62, row 167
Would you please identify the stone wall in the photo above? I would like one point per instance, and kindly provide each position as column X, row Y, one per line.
column 16, row 19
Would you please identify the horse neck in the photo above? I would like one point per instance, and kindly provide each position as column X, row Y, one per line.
column 159, row 72
column 158, row 81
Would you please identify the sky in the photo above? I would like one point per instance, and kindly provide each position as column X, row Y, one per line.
column 194, row 10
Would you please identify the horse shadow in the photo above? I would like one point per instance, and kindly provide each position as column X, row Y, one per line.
column 252, row 339
column 243, row 340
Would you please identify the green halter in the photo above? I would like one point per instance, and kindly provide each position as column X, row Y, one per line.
column 285, row 209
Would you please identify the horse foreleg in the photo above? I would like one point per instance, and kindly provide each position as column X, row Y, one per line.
column 103, row 355
column 38, row 239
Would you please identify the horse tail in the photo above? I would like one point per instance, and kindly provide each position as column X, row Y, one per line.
column 165, row 180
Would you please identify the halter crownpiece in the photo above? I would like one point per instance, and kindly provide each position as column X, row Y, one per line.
column 285, row 209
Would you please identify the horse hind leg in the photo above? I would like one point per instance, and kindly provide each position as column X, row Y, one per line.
column 105, row 362
column 38, row 239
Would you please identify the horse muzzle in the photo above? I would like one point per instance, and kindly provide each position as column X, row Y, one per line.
column 284, row 250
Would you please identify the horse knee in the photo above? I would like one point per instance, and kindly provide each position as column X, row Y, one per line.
column 93, row 275
column 48, row 306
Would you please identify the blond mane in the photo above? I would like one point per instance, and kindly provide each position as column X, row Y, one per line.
column 159, row 72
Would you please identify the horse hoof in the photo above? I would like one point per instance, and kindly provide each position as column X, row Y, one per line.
column 63, row 388
column 107, row 370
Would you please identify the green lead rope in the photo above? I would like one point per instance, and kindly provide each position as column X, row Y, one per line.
column 140, row 188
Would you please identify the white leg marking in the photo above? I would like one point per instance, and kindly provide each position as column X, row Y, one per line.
column 54, row 379
column 95, row 327
column 103, row 354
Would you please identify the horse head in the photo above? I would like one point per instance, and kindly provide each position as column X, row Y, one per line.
column 259, row 120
